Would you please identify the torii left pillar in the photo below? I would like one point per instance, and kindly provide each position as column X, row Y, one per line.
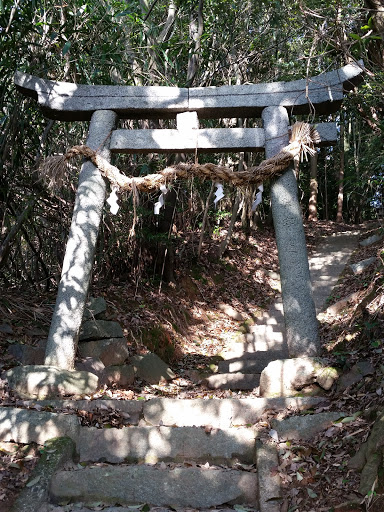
column 78, row 260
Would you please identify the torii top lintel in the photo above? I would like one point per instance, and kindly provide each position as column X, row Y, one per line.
column 76, row 102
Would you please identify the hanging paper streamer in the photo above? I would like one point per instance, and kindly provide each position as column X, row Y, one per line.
column 160, row 202
column 219, row 194
column 112, row 201
column 259, row 196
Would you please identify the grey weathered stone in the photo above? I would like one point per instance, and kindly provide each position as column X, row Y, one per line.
column 269, row 483
column 121, row 375
column 179, row 487
column 355, row 375
column 78, row 259
column 304, row 427
column 110, row 351
column 251, row 362
column 221, row 413
column 94, row 308
column 360, row 266
column 57, row 452
column 154, row 444
column 299, row 307
column 151, row 368
column 29, row 426
column 206, row 140
column 71, row 102
column 239, row 381
column 341, row 304
column 50, row 381
column 132, row 409
column 286, row 377
column 91, row 365
column 27, row 354
column 371, row 240
column 100, row 329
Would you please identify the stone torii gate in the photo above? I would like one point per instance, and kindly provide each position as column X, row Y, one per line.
column 104, row 105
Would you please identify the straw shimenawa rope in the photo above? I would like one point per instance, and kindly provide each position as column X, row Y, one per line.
column 302, row 141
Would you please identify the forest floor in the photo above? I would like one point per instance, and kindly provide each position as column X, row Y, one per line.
column 190, row 323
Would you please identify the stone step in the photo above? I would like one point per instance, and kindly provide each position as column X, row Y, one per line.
column 234, row 381
column 31, row 425
column 135, row 484
column 155, row 444
column 251, row 362
column 251, row 343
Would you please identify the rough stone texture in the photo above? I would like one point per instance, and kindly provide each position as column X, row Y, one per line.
column 49, row 381
column 76, row 102
column 235, row 381
column 110, row 351
column 26, row 354
column 123, row 375
column 206, row 140
column 57, row 453
column 131, row 409
column 360, row 266
column 328, row 261
column 340, row 305
column 371, row 240
column 151, row 368
column 99, row 330
column 91, row 365
column 154, row 444
column 179, row 487
column 269, row 483
column 218, row 413
column 355, row 375
column 304, row 427
column 250, row 362
column 286, row 377
column 78, row 259
column 94, row 308
column 299, row 307
column 27, row 426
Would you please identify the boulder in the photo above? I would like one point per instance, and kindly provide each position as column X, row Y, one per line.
column 151, row 368
column 91, row 365
column 100, row 329
column 286, row 377
column 371, row 240
column 304, row 427
column 110, row 351
column 27, row 354
column 358, row 268
column 123, row 376
column 50, row 381
column 94, row 308
column 355, row 375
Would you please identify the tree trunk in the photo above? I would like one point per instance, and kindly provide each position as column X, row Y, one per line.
column 376, row 48
column 313, row 187
column 340, row 197
column 196, row 31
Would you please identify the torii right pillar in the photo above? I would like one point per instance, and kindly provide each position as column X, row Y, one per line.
column 299, row 307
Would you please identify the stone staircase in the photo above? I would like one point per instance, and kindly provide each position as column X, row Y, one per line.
column 247, row 356
column 171, row 453
column 175, row 453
